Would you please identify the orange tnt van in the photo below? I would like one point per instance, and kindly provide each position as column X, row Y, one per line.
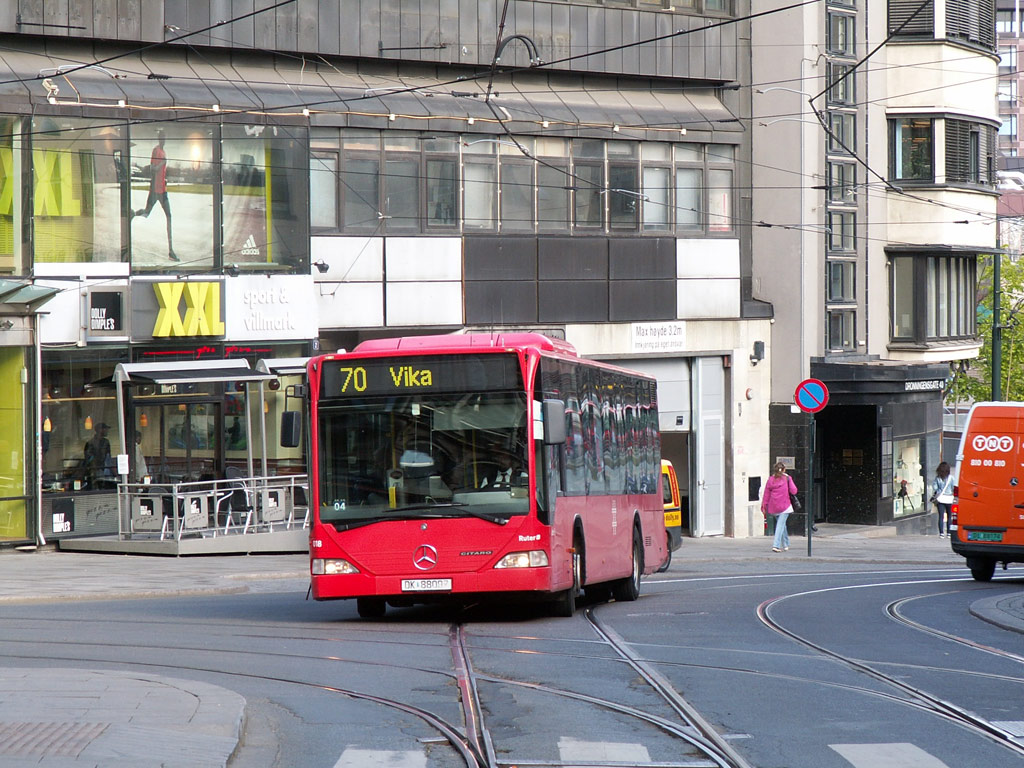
column 987, row 520
column 673, row 510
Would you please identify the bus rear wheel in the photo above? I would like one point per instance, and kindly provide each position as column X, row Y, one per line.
column 628, row 589
column 982, row 568
column 371, row 607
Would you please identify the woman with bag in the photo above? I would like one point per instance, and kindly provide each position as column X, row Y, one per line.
column 776, row 500
column 942, row 496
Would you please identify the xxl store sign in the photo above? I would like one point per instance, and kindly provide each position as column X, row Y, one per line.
column 238, row 309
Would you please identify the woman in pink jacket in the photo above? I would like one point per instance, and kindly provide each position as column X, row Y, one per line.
column 775, row 501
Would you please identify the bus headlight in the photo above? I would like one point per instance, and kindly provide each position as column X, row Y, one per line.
column 535, row 558
column 321, row 567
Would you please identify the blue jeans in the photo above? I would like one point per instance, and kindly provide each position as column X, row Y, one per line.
column 943, row 515
column 781, row 534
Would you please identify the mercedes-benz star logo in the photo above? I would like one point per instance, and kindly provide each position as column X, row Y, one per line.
column 425, row 557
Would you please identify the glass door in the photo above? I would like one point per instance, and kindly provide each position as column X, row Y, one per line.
column 178, row 442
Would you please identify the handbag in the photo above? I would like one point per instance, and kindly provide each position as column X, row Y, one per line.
column 795, row 501
column 945, row 496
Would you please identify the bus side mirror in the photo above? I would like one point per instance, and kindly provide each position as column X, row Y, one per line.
column 554, row 422
column 291, row 429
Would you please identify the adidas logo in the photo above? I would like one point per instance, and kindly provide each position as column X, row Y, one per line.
column 250, row 249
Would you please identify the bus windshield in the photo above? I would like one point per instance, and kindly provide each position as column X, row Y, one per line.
column 423, row 455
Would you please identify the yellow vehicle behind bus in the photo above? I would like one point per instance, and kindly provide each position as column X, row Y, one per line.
column 673, row 510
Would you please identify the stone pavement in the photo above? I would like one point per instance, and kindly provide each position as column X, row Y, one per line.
column 71, row 718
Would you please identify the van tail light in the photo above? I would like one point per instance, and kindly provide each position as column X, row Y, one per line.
column 954, row 512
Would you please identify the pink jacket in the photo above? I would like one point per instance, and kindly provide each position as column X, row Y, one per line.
column 775, row 498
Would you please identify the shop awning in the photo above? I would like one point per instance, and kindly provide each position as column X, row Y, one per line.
column 22, row 297
column 197, row 372
column 283, row 366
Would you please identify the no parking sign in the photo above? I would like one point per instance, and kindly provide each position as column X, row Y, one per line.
column 811, row 395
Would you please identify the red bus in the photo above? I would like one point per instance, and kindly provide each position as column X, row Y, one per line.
column 454, row 467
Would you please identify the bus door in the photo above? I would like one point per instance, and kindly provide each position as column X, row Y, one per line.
column 179, row 441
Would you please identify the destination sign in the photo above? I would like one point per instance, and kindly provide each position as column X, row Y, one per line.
column 365, row 377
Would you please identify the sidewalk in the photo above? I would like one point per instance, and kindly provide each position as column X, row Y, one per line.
column 70, row 718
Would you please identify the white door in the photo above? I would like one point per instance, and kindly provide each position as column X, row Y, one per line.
column 707, row 500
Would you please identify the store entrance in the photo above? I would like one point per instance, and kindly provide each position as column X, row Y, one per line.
column 178, row 442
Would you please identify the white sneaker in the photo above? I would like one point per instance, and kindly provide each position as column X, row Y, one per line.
column 942, row 535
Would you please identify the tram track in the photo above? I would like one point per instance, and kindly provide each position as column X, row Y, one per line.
column 918, row 698
column 470, row 740
column 711, row 749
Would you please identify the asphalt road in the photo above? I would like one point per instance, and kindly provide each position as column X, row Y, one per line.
column 859, row 656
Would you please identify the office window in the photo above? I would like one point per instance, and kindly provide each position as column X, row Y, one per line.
column 842, row 183
column 516, row 195
column 840, row 329
column 903, row 309
column 841, row 235
column 843, row 137
column 689, row 196
column 1007, row 57
column 360, row 181
column 623, row 196
column 972, row 21
column 911, row 148
column 323, row 189
column 656, row 200
column 441, row 179
column 907, row 18
column 970, row 152
column 840, row 33
column 841, row 281
column 933, row 297
column 841, row 79
column 719, row 200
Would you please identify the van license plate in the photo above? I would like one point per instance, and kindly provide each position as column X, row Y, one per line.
column 426, row 585
column 984, row 536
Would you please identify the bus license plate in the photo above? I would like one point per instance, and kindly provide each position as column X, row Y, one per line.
column 984, row 536
column 426, row 585
column 673, row 518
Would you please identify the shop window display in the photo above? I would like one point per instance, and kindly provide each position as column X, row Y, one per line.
column 265, row 192
column 10, row 203
column 80, row 442
column 78, row 190
column 172, row 195
column 908, row 482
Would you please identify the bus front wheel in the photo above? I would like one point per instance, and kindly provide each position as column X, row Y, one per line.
column 982, row 568
column 565, row 603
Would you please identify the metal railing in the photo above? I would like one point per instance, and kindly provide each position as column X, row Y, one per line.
column 234, row 506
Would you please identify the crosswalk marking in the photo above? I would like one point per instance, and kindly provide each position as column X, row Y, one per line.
column 378, row 758
column 1013, row 727
column 900, row 755
column 571, row 750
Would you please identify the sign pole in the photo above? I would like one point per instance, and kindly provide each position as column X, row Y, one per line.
column 811, row 395
column 809, row 514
